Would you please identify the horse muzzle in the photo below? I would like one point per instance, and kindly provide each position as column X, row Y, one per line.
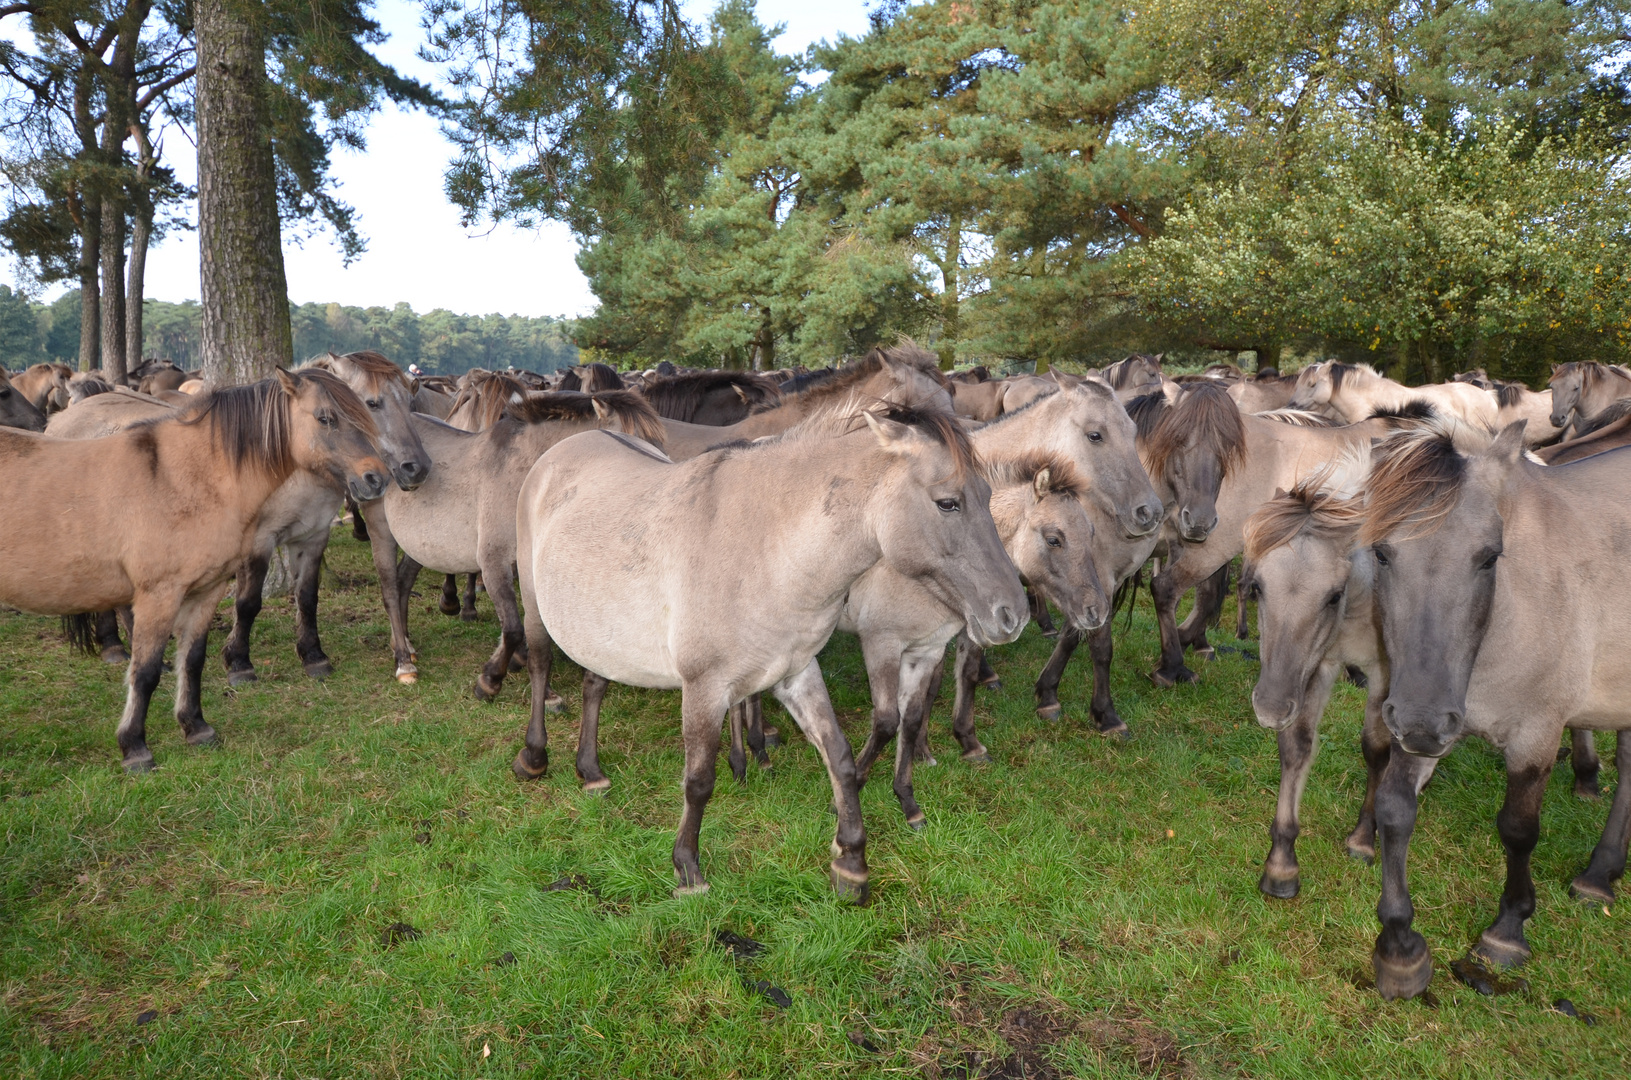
column 1423, row 730
column 410, row 474
column 1277, row 714
column 1193, row 530
column 1146, row 518
column 367, row 487
column 999, row 628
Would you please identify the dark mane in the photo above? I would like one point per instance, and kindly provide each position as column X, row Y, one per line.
column 942, row 427
column 678, row 397
column 1415, row 410
column 847, row 378
column 1510, row 394
column 251, row 423
column 1415, row 478
column 596, row 377
column 1063, row 478
column 1146, row 411
column 632, row 413
column 1339, row 372
column 1205, row 418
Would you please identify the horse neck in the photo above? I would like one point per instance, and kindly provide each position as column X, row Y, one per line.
column 1364, row 392
column 1614, row 385
column 795, row 409
column 247, row 486
column 1010, row 505
column 1033, row 429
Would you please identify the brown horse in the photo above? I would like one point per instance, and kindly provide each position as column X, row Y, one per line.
column 158, row 517
column 713, row 398
column 1480, row 557
column 45, row 386
column 16, row 410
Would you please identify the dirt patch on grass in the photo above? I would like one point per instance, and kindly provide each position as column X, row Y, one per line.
column 1029, row 1033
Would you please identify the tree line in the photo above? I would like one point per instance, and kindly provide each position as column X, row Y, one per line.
column 440, row 342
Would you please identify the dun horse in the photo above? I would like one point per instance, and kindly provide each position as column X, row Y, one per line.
column 1581, row 390
column 159, row 516
column 724, row 576
column 16, row 410
column 1353, row 392
column 1479, row 557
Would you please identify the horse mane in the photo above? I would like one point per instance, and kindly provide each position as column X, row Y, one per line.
column 942, row 427
column 847, row 378
column 1225, row 372
column 1063, row 478
column 251, row 423
column 1414, row 410
column 379, row 368
column 1206, row 418
column 1611, row 412
column 1341, row 371
column 632, row 412
column 592, row 378
column 1416, row 477
column 1311, row 506
column 678, row 397
column 84, row 385
column 490, row 393
column 1299, row 418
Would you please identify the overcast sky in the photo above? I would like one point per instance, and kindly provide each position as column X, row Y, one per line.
column 417, row 250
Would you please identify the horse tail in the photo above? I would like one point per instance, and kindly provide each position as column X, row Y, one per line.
column 1127, row 596
column 80, row 630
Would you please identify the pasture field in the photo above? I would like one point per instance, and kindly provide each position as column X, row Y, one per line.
column 1079, row 907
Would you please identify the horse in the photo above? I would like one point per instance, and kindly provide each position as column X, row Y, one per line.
column 758, row 545
column 16, row 410
column 591, row 378
column 1583, row 389
column 1354, row 392
column 1479, row 556
column 1263, row 392
column 295, row 519
column 85, row 384
column 45, row 386
column 463, row 519
column 1135, row 375
column 159, row 515
column 711, row 398
column 980, row 401
column 482, row 398
column 1608, row 430
column 1516, row 401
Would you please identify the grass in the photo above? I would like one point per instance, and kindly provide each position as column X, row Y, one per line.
column 1045, row 924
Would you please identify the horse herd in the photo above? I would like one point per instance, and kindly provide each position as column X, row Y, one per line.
column 708, row 531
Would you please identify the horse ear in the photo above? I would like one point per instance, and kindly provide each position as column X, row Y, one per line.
column 741, row 393
column 1281, row 493
column 1160, row 358
column 413, row 387
column 287, row 380
column 1508, row 445
column 1043, row 482
column 601, row 411
column 890, row 433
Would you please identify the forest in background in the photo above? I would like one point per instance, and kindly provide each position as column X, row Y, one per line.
column 439, row 341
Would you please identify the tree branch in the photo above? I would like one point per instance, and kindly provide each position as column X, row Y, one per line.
column 1126, row 217
column 159, row 88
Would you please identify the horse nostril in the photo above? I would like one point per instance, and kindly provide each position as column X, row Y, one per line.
column 1143, row 514
column 1006, row 619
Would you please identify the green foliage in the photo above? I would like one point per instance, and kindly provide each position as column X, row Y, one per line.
column 20, row 339
column 240, row 894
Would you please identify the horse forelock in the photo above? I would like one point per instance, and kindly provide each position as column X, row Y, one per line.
column 1063, row 479
column 943, row 428
column 378, row 369
column 1205, row 419
column 1415, row 480
column 1321, row 504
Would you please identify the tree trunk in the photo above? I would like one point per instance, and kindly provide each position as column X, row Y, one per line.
column 764, row 345
column 141, row 229
column 90, row 293
column 950, row 314
column 113, row 291
column 246, row 330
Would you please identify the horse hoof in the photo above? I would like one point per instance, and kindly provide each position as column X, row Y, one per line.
column 524, row 771
column 852, row 887
column 1365, row 853
column 407, row 675
column 1399, row 979
column 917, row 822
column 682, row 891
column 553, row 703
column 980, row 756
column 140, row 763
column 115, row 655
column 773, row 737
column 598, row 787
column 1501, row 953
column 319, row 669
column 203, row 735
column 450, row 610
column 1592, row 892
column 1049, row 713
column 468, row 616
column 1587, row 790
column 1164, row 678
column 241, row 676
column 1207, row 654
column 1119, row 731
column 1280, row 888
column 994, row 685
column 485, row 691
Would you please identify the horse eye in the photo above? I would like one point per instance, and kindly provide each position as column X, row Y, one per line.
column 1094, row 436
column 326, row 419
column 1054, row 542
column 1489, row 563
column 1336, row 598
column 375, row 403
column 949, row 506
column 1381, row 559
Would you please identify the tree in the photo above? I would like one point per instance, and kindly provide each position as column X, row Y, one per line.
column 20, row 338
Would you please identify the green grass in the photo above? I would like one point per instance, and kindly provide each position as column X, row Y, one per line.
column 1044, row 923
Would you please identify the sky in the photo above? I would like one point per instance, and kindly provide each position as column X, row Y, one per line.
column 417, row 250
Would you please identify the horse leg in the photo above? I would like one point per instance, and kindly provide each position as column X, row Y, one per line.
column 594, row 692
column 306, row 557
column 1583, row 756
column 921, row 754
column 1607, row 865
column 883, row 679
column 107, row 638
column 805, row 697
column 1101, row 646
column 152, row 619
column 1041, row 615
column 359, row 525
column 1376, row 744
column 1402, row 963
column 1299, row 743
column 1519, row 826
column 394, row 586
column 467, row 611
column 192, row 639
column 970, row 662
column 450, row 595
column 988, row 675
column 1047, row 683
column 1243, row 623
column 533, row 759
column 1209, row 597
column 738, row 756
column 753, row 727
column 917, row 674
column 502, row 592
column 699, row 725
column 246, row 605
column 1166, row 589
